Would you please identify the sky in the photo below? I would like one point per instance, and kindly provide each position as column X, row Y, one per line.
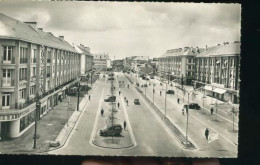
column 125, row 29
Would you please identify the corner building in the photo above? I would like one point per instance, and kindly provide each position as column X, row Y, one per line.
column 219, row 68
column 33, row 65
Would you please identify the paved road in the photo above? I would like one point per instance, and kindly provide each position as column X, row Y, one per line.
column 223, row 147
column 152, row 137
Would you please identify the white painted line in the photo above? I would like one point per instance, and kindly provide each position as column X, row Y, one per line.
column 94, row 129
column 129, row 126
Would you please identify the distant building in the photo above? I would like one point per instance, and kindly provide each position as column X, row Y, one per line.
column 118, row 64
column 101, row 62
column 178, row 63
column 33, row 65
column 218, row 67
column 138, row 61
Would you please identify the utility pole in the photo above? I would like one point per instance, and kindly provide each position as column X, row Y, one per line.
column 204, row 96
column 38, row 106
column 187, row 118
column 78, row 96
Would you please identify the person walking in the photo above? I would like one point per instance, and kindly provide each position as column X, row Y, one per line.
column 102, row 112
column 119, row 93
column 128, row 86
column 125, row 98
column 124, row 125
column 127, row 102
column 160, row 93
column 114, row 88
column 89, row 97
column 211, row 110
column 183, row 113
column 118, row 104
column 178, row 100
column 207, row 133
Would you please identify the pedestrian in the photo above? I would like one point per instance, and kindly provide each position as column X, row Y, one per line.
column 211, row 110
column 207, row 133
column 160, row 93
column 89, row 97
column 178, row 100
column 127, row 102
column 102, row 111
column 125, row 98
column 119, row 93
column 124, row 125
column 153, row 91
column 128, row 86
column 114, row 88
column 118, row 104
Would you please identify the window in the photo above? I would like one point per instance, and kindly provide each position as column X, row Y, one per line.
column 6, row 73
column 33, row 72
column 32, row 90
column 22, row 94
column 23, row 74
column 7, row 53
column 48, row 56
column 5, row 101
column 33, row 56
column 23, row 55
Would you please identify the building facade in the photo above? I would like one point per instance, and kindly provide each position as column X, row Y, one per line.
column 34, row 65
column 86, row 58
column 218, row 67
column 101, row 62
column 178, row 63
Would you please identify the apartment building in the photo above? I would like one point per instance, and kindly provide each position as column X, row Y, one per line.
column 177, row 63
column 34, row 65
column 86, row 58
column 218, row 67
column 101, row 62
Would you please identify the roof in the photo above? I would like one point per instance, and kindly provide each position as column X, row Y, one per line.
column 11, row 28
column 82, row 50
column 224, row 49
column 186, row 51
column 141, row 58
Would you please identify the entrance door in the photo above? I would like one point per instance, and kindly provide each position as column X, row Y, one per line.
column 4, row 130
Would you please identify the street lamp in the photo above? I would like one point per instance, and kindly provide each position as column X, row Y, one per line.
column 78, row 96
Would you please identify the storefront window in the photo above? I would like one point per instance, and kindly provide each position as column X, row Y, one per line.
column 26, row 121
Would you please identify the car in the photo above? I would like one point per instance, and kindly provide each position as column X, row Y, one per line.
column 147, row 78
column 170, row 92
column 114, row 130
column 151, row 77
column 136, row 102
column 111, row 78
column 192, row 106
column 111, row 74
column 144, row 85
column 110, row 99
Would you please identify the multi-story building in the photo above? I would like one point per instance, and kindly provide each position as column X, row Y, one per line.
column 218, row 67
column 137, row 61
column 178, row 63
column 101, row 62
column 34, row 65
column 86, row 58
column 118, row 64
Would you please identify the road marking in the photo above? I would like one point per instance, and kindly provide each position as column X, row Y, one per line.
column 129, row 124
column 167, row 129
column 94, row 129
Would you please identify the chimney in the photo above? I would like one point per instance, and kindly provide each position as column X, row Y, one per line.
column 32, row 24
column 61, row 37
column 40, row 29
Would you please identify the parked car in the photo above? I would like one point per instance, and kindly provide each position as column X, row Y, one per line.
column 144, row 85
column 147, row 78
column 111, row 74
column 110, row 99
column 110, row 78
column 151, row 77
column 114, row 130
column 192, row 106
column 136, row 102
column 170, row 92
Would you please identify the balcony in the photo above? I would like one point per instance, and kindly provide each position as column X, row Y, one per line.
column 7, row 82
column 23, row 60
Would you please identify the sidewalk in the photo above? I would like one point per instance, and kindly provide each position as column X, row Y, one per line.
column 49, row 128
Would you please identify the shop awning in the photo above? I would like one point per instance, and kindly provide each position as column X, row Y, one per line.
column 208, row 88
column 219, row 90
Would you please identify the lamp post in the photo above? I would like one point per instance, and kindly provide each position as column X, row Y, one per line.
column 38, row 106
column 153, row 89
column 78, row 96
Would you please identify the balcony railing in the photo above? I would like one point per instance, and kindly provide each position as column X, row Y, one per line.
column 7, row 83
column 23, row 60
